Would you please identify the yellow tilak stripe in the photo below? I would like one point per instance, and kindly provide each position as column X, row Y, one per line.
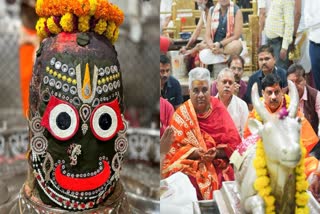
column 86, row 86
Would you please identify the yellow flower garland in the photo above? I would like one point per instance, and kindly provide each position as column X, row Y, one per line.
column 262, row 183
column 98, row 16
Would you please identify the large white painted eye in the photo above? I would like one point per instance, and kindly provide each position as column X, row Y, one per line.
column 60, row 119
column 106, row 120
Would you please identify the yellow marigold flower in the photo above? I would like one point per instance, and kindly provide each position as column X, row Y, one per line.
column 66, row 22
column 302, row 199
column 263, row 192
column 52, row 26
column 302, row 185
column 93, row 7
column 261, row 182
column 299, row 170
column 66, row 10
column 302, row 210
column 257, row 116
column 40, row 27
column 287, row 98
column 269, row 200
column 270, row 210
column 300, row 178
column 101, row 26
column 115, row 36
column 38, row 7
column 261, row 172
column 84, row 23
column 260, row 153
column 110, row 29
column 259, row 163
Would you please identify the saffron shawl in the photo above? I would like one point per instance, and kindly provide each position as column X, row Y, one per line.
column 308, row 137
column 215, row 20
column 191, row 133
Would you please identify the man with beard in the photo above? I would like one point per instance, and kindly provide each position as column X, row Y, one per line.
column 170, row 86
column 236, row 64
column 204, row 138
column 267, row 66
column 236, row 107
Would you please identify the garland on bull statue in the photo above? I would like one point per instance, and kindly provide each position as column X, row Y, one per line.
column 262, row 183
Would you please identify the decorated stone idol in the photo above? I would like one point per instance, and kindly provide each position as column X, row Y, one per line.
column 77, row 130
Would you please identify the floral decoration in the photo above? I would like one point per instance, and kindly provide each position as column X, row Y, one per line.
column 99, row 16
column 262, row 183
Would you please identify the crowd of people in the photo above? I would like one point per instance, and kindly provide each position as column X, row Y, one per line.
column 204, row 131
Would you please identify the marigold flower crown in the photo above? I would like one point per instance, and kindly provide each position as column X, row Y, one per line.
column 98, row 16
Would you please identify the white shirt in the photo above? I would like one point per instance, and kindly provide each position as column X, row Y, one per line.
column 238, row 111
column 302, row 25
column 264, row 4
column 312, row 19
column 165, row 6
column 179, row 195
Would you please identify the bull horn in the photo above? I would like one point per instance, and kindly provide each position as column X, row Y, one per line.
column 258, row 104
column 294, row 97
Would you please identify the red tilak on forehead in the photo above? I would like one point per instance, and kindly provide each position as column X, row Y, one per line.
column 66, row 38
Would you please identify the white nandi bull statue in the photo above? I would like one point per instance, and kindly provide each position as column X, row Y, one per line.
column 281, row 143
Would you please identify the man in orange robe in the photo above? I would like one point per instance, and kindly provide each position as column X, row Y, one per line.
column 205, row 137
column 275, row 101
column 29, row 43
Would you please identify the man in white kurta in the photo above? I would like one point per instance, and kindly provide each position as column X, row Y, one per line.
column 236, row 107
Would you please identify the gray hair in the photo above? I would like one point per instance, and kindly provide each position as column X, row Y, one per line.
column 223, row 72
column 199, row 73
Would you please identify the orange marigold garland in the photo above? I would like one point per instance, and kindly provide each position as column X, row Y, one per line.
column 99, row 16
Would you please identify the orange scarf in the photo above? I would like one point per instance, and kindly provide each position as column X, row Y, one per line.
column 188, row 138
column 215, row 20
column 308, row 137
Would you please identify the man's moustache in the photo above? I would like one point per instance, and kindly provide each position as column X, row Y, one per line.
column 164, row 78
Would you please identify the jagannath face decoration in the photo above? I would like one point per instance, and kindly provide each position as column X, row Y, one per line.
column 77, row 131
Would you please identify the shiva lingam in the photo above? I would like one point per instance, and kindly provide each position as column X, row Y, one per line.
column 76, row 127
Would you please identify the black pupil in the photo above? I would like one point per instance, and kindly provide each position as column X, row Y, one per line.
column 105, row 121
column 63, row 121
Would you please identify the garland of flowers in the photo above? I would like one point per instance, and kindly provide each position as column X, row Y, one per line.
column 98, row 16
column 262, row 183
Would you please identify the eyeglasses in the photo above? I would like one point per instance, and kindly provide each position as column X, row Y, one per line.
column 197, row 91
column 236, row 68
